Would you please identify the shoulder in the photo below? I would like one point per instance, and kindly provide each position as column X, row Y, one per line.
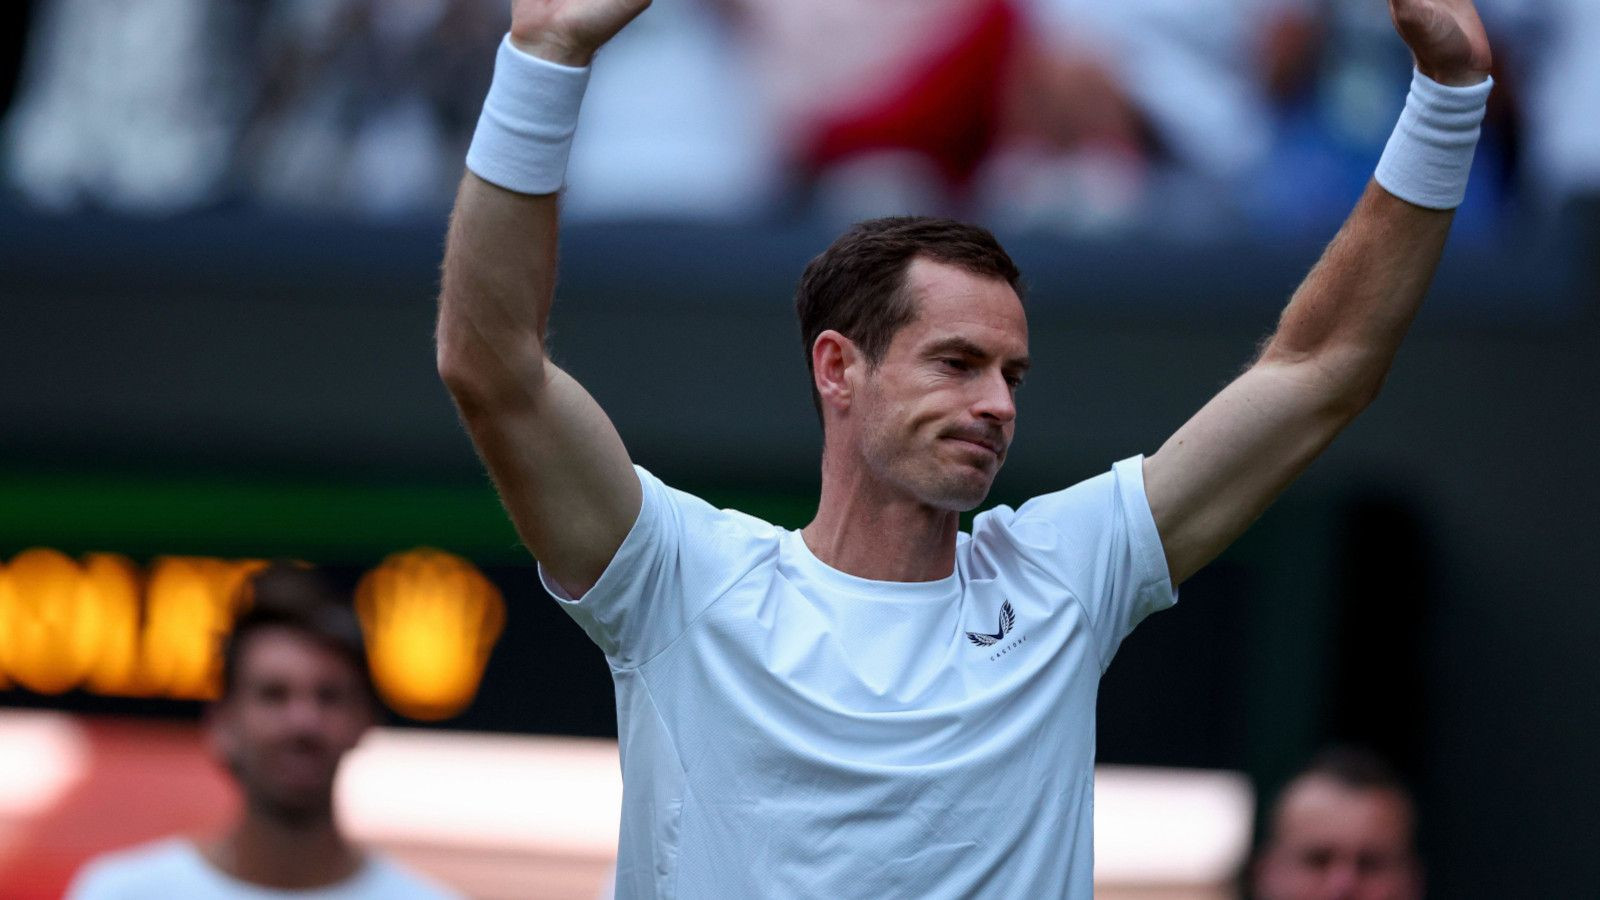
column 1063, row 523
column 147, row 870
column 686, row 505
column 712, row 548
column 701, row 528
column 1085, row 505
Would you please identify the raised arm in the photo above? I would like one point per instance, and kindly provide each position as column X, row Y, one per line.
column 556, row 459
column 1339, row 334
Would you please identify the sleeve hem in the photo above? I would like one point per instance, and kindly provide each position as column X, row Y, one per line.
column 641, row 534
column 1144, row 538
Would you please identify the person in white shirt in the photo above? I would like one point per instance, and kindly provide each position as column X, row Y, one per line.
column 879, row 705
column 296, row 697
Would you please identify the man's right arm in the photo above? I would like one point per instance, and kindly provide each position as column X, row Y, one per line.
column 555, row 457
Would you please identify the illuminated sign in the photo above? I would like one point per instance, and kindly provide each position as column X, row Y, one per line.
column 102, row 624
column 430, row 620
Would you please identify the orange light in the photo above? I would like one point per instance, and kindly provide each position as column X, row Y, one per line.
column 115, row 583
column 53, row 632
column 430, row 620
column 189, row 609
column 8, row 602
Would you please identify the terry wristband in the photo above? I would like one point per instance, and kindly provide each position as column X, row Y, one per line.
column 1430, row 152
column 525, row 131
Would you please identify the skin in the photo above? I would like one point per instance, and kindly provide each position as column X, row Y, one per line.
column 891, row 487
column 918, row 438
column 1331, row 841
column 296, row 709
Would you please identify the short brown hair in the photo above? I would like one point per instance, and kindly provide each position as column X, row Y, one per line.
column 297, row 598
column 855, row 286
column 1357, row 768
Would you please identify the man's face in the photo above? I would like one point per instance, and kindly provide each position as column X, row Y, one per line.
column 1335, row 842
column 296, row 709
column 938, row 412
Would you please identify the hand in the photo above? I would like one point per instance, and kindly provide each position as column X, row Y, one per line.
column 569, row 31
column 1445, row 37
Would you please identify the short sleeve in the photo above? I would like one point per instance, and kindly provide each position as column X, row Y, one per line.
column 680, row 555
column 1099, row 539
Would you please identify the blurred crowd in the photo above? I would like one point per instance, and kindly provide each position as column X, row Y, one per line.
column 1075, row 116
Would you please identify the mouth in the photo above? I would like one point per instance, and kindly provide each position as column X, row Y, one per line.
column 985, row 444
column 302, row 763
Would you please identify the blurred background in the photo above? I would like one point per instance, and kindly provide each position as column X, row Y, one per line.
column 220, row 227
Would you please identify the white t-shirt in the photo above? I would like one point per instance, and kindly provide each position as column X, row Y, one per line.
column 790, row 730
column 174, row 867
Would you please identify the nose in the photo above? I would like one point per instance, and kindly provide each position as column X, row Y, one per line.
column 1342, row 881
column 304, row 714
column 996, row 401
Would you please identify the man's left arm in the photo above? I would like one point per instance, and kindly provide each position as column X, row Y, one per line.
column 1338, row 336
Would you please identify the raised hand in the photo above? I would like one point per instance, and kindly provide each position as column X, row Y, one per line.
column 1445, row 37
column 569, row 31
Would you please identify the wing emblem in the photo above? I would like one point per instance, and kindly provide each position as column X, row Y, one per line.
column 1008, row 618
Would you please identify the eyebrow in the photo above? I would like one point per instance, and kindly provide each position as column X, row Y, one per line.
column 968, row 348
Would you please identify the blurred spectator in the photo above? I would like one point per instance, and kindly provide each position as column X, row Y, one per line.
column 887, row 106
column 1344, row 828
column 131, row 106
column 163, row 106
column 1174, row 116
column 1550, row 49
column 367, row 105
column 672, row 125
column 1161, row 109
column 1062, row 113
column 296, row 697
column 1330, row 135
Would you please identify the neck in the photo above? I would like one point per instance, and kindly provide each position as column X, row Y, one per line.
column 287, row 852
column 868, row 531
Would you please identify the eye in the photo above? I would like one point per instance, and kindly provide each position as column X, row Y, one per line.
column 1316, row 858
column 272, row 692
column 954, row 363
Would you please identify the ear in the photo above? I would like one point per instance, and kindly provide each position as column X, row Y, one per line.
column 832, row 358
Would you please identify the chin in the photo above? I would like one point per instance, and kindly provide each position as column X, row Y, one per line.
column 960, row 494
column 296, row 802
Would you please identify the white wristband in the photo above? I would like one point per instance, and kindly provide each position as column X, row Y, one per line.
column 525, row 131
column 1430, row 152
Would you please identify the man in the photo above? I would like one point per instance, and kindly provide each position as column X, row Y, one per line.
column 296, row 697
column 878, row 705
column 1343, row 829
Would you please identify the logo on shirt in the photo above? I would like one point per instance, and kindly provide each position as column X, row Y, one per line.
column 1008, row 618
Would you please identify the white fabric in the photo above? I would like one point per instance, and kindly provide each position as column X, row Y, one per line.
column 790, row 730
column 1429, row 156
column 174, row 868
column 524, row 133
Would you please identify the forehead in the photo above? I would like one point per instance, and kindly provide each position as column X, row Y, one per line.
column 1320, row 810
column 950, row 301
column 278, row 653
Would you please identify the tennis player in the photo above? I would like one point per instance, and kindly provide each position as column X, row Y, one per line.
column 879, row 705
